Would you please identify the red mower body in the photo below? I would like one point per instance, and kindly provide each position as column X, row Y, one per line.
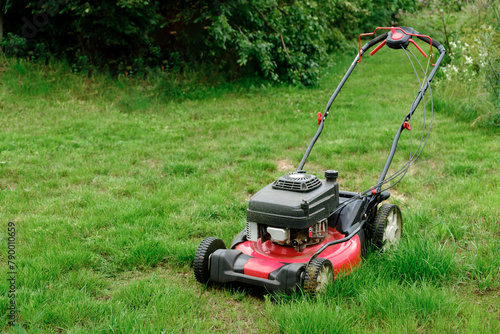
column 268, row 257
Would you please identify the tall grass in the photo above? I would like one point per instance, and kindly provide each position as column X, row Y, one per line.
column 420, row 258
column 385, row 306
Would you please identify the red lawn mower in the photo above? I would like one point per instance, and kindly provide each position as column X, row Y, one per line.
column 301, row 230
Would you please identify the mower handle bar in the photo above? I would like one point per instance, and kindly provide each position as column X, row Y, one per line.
column 375, row 192
column 407, row 30
column 414, row 105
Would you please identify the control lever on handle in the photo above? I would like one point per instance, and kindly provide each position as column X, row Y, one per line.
column 418, row 47
column 410, row 40
column 377, row 48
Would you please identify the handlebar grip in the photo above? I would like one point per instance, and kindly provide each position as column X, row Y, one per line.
column 374, row 41
column 435, row 43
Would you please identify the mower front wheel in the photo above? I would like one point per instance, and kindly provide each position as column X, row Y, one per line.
column 201, row 264
column 318, row 275
column 387, row 226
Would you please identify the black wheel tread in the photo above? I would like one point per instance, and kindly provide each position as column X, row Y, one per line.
column 380, row 223
column 200, row 264
column 311, row 274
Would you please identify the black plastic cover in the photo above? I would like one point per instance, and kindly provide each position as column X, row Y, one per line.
column 346, row 220
column 239, row 238
column 398, row 43
column 227, row 265
column 296, row 210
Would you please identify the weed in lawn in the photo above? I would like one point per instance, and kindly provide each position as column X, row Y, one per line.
column 484, row 267
column 460, row 170
column 394, row 304
column 420, row 258
column 144, row 253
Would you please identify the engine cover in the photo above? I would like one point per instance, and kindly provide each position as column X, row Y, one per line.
column 294, row 207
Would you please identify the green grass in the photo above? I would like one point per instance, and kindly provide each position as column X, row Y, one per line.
column 112, row 187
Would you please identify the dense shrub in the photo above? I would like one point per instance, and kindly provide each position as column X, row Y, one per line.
column 280, row 40
column 90, row 34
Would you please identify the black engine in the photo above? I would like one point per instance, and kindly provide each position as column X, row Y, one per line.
column 293, row 210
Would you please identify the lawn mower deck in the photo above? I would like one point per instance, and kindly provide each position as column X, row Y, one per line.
column 301, row 231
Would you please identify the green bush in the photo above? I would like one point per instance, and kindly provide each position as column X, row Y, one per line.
column 279, row 40
column 90, row 34
column 14, row 46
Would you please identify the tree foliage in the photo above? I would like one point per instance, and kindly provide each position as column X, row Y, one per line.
column 280, row 40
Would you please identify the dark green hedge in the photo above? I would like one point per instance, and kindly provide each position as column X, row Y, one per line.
column 280, row 40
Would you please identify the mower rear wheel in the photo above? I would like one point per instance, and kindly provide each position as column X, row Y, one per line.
column 318, row 275
column 201, row 265
column 387, row 226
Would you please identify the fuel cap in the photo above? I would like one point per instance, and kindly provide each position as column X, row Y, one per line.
column 331, row 175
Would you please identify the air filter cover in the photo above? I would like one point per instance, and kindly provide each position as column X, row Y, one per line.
column 297, row 182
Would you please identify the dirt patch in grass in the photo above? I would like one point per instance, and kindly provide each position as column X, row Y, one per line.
column 285, row 165
column 489, row 291
column 399, row 197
